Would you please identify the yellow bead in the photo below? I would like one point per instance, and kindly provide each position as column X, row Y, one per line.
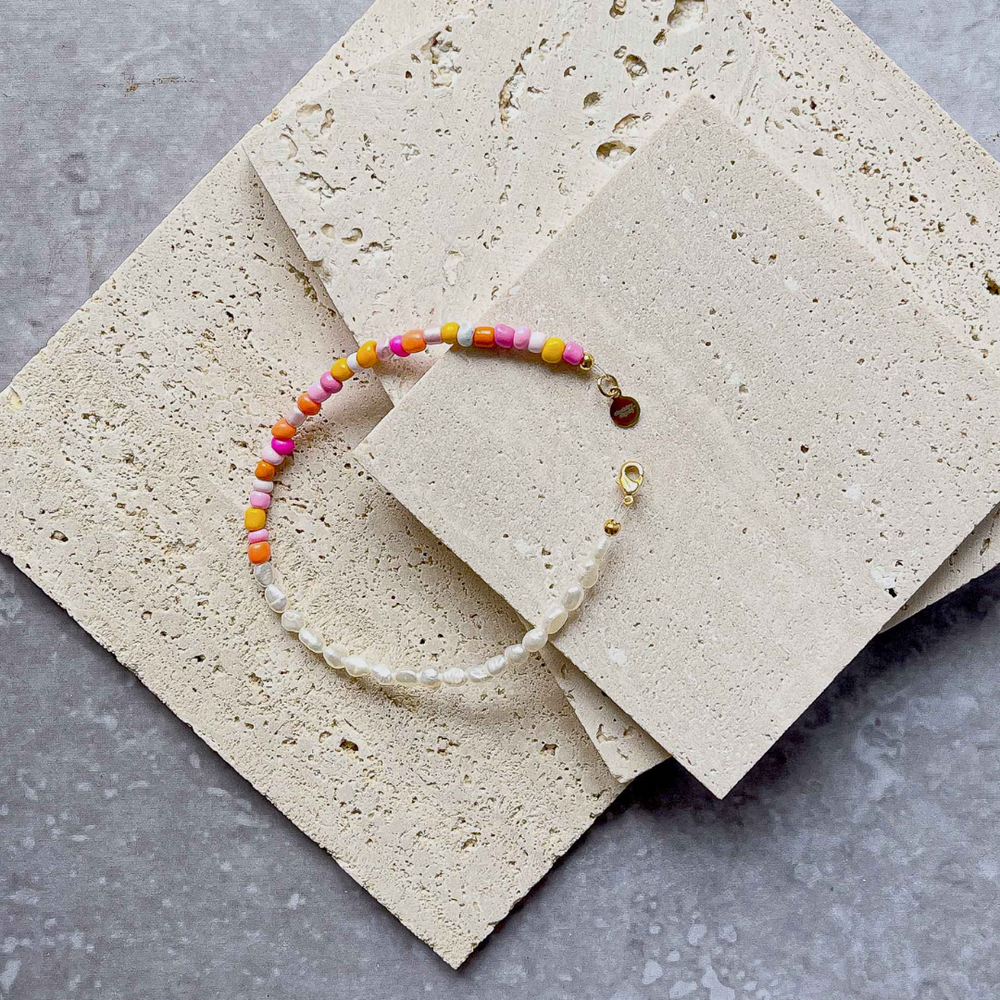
column 340, row 370
column 254, row 518
column 367, row 357
column 449, row 333
column 552, row 350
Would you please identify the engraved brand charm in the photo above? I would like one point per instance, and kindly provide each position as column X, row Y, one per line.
column 624, row 411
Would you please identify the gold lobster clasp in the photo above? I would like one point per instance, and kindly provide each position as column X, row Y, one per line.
column 630, row 477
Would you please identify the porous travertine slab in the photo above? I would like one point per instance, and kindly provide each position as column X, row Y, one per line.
column 523, row 124
column 127, row 445
column 817, row 444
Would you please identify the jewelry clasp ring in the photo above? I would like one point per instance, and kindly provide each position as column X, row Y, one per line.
column 630, row 478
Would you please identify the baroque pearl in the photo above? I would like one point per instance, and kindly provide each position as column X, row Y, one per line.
column 334, row 655
column 534, row 639
column 357, row 666
column 311, row 639
column 382, row 673
column 589, row 573
column 479, row 673
column 403, row 675
column 603, row 547
column 496, row 665
column 573, row 597
column 554, row 618
column 454, row 677
column 276, row 598
column 292, row 621
column 263, row 573
column 516, row 655
column 430, row 677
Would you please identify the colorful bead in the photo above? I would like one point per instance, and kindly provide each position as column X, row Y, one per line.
column 260, row 499
column 396, row 346
column 483, row 336
column 432, row 336
column 466, row 332
column 449, row 333
column 341, row 370
column 283, row 429
column 330, row 383
column 367, row 354
column 413, row 341
column 573, row 353
column 308, row 406
column 295, row 417
column 268, row 454
column 537, row 341
column 353, row 363
column 265, row 470
column 522, row 335
column 552, row 351
column 317, row 393
column 503, row 336
column 259, row 552
column 264, row 485
column 282, row 446
column 260, row 535
column 254, row 518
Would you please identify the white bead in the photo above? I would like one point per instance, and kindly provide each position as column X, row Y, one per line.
column 263, row 486
column 534, row 639
column 268, row 454
column 383, row 351
column 277, row 599
column 465, row 334
column 352, row 362
column 496, row 665
column 573, row 597
column 454, row 677
column 589, row 572
column 479, row 673
column 433, row 335
column 311, row 639
column 357, row 666
column 295, row 417
column 554, row 618
column 537, row 341
column 334, row 655
column 292, row 621
column 401, row 675
column 516, row 655
column 603, row 547
column 263, row 573
column 429, row 677
column 382, row 673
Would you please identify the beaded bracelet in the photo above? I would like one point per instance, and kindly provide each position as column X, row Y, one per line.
column 624, row 412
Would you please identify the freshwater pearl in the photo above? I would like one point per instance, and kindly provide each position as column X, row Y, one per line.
column 478, row 674
column 496, row 665
column 534, row 639
column 516, row 655
column 554, row 618
column 263, row 573
column 589, row 573
column 403, row 675
column 357, row 666
column 262, row 485
column 334, row 655
column 276, row 598
column 292, row 621
column 454, row 677
column 311, row 639
column 381, row 673
column 573, row 597
column 429, row 677
column 603, row 547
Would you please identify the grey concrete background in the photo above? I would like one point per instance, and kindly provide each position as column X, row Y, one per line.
column 858, row 860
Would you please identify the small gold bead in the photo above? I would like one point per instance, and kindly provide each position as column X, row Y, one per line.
column 612, row 527
column 588, row 363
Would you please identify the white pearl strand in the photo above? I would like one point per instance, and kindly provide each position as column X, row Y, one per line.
column 340, row 658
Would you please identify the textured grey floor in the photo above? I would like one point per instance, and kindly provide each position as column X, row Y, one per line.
column 859, row 860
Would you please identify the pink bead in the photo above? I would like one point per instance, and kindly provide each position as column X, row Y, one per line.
column 317, row 393
column 573, row 353
column 257, row 536
column 329, row 383
column 521, row 337
column 260, row 499
column 503, row 336
column 396, row 346
column 282, row 446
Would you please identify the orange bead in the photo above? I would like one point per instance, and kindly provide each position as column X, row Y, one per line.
column 341, row 370
column 259, row 552
column 254, row 518
column 413, row 341
column 283, row 430
column 449, row 333
column 483, row 336
column 367, row 356
column 265, row 470
column 308, row 406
